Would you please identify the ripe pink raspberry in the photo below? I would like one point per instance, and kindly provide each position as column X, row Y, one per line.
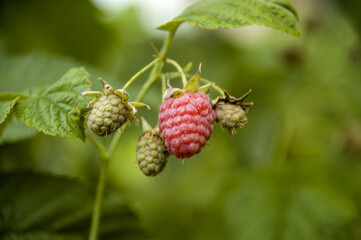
column 186, row 123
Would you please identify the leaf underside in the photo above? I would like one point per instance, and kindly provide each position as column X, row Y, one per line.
column 57, row 109
column 212, row 14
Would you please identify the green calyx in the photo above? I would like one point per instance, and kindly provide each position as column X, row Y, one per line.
column 192, row 86
column 110, row 109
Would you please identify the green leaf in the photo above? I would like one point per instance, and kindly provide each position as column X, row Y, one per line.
column 7, row 131
column 39, row 206
column 57, row 109
column 7, row 102
column 212, row 14
column 19, row 72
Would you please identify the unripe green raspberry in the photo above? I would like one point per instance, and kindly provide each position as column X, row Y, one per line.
column 108, row 114
column 230, row 116
column 110, row 109
column 152, row 153
column 231, row 111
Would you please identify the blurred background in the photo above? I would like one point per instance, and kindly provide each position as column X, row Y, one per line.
column 293, row 172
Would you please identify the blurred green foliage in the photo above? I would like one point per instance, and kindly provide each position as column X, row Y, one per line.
column 293, row 172
column 37, row 206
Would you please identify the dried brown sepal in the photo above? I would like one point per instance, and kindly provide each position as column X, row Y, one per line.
column 230, row 99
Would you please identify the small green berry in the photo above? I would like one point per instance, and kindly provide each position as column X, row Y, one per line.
column 231, row 112
column 110, row 109
column 230, row 116
column 103, row 116
column 151, row 153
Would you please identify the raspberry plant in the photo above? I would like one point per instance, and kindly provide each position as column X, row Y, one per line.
column 186, row 116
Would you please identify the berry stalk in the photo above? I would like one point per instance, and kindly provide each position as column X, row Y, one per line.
column 94, row 227
column 127, row 84
column 157, row 69
column 180, row 70
column 164, row 84
column 213, row 85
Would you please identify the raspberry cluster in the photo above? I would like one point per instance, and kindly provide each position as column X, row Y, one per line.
column 186, row 123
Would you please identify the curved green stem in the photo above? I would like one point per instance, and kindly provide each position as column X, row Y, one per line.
column 157, row 69
column 167, row 43
column 94, row 227
column 180, row 70
column 140, row 72
column 153, row 76
column 214, row 86
column 116, row 139
column 164, row 84
column 158, row 66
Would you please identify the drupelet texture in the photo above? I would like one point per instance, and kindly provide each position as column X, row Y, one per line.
column 108, row 114
column 230, row 116
column 186, row 123
column 152, row 153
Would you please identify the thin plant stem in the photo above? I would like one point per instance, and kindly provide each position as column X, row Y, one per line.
column 157, row 69
column 94, row 227
column 214, row 86
column 140, row 72
column 154, row 75
column 180, row 70
column 116, row 139
column 167, row 43
column 164, row 84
